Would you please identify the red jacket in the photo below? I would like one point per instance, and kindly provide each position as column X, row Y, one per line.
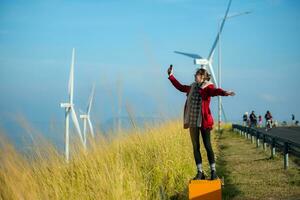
column 206, row 93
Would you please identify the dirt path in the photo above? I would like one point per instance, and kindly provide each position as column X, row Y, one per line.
column 250, row 173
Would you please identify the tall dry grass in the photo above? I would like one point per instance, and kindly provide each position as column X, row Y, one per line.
column 153, row 163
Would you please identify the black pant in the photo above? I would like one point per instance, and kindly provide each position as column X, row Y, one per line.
column 194, row 133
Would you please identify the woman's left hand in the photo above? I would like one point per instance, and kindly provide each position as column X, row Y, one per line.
column 230, row 93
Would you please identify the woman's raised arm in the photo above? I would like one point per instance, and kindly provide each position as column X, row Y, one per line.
column 176, row 83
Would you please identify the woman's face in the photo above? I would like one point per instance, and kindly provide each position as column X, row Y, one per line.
column 199, row 78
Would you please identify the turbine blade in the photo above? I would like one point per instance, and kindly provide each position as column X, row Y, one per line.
column 211, row 53
column 91, row 127
column 84, row 132
column 76, row 124
column 211, row 71
column 191, row 55
column 71, row 78
column 91, row 100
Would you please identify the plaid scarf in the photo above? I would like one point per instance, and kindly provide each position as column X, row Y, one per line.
column 194, row 106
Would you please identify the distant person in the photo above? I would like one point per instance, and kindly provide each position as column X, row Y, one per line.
column 293, row 119
column 268, row 118
column 253, row 119
column 245, row 119
column 260, row 121
column 197, row 115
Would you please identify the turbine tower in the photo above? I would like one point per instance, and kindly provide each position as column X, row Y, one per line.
column 86, row 118
column 69, row 110
column 207, row 62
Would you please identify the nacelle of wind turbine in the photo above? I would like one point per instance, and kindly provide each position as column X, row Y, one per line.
column 201, row 61
column 84, row 116
column 66, row 105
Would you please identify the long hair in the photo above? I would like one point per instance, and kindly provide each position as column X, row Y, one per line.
column 203, row 72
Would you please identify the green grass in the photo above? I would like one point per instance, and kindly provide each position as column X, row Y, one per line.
column 251, row 174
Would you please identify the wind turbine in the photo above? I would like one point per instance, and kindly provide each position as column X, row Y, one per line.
column 69, row 110
column 207, row 62
column 86, row 117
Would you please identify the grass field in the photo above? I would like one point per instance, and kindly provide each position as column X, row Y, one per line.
column 154, row 163
column 251, row 174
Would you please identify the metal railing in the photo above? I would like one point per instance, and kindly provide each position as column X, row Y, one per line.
column 282, row 144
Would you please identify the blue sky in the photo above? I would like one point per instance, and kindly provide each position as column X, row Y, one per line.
column 132, row 42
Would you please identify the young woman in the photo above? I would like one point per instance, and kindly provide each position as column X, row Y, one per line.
column 197, row 115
